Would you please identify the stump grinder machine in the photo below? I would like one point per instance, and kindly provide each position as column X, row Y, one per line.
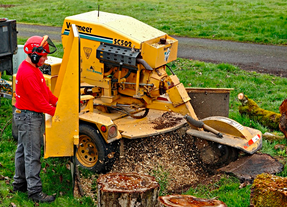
column 112, row 82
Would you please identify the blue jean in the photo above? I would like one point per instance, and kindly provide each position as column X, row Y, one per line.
column 28, row 153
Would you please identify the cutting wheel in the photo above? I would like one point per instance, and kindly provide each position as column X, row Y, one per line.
column 214, row 155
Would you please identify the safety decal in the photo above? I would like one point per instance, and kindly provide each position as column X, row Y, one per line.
column 252, row 141
column 5, row 29
column 233, row 123
column 88, row 52
column 166, row 54
column 92, row 37
column 91, row 69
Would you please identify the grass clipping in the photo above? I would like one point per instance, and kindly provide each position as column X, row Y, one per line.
column 169, row 157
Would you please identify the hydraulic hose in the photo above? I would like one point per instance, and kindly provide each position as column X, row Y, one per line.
column 200, row 124
column 144, row 63
column 170, row 70
column 126, row 76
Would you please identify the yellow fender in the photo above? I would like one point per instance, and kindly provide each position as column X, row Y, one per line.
column 233, row 134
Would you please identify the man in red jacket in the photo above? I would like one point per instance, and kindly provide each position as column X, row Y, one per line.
column 33, row 98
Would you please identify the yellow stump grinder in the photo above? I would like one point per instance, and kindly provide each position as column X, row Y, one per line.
column 112, row 82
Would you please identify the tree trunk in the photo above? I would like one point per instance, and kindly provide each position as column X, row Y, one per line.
column 283, row 118
column 269, row 191
column 188, row 201
column 272, row 138
column 266, row 118
column 127, row 190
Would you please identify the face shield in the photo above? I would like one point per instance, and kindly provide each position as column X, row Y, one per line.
column 46, row 47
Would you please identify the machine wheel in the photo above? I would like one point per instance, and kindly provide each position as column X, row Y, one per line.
column 93, row 152
column 214, row 155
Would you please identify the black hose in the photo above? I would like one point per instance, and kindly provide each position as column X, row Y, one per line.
column 200, row 124
column 170, row 70
column 144, row 63
column 193, row 122
column 126, row 76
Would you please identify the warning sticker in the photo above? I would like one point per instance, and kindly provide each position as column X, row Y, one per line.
column 233, row 123
column 5, row 29
column 88, row 52
column 166, row 54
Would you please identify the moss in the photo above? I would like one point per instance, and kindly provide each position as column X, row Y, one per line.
column 269, row 191
column 266, row 118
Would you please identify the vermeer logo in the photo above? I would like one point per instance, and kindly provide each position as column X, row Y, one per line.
column 80, row 28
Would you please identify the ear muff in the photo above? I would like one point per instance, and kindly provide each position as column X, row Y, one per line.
column 35, row 58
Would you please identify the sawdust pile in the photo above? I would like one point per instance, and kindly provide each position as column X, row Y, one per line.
column 169, row 157
column 166, row 120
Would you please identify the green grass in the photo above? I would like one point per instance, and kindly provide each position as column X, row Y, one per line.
column 267, row 90
column 260, row 21
column 226, row 190
column 55, row 175
column 264, row 89
column 255, row 21
column 56, row 178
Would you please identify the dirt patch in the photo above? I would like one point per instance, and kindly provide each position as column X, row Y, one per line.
column 253, row 67
column 7, row 5
column 256, row 68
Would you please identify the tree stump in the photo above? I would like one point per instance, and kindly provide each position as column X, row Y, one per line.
column 269, row 191
column 188, row 201
column 127, row 190
column 252, row 166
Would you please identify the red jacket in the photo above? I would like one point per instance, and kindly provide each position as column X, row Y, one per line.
column 32, row 92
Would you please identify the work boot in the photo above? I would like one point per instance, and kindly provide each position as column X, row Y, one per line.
column 42, row 198
column 20, row 188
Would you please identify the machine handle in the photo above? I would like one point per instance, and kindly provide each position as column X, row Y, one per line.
column 200, row 124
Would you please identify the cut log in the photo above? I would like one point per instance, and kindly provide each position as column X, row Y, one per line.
column 269, row 190
column 127, row 190
column 188, row 201
column 266, row 118
column 272, row 137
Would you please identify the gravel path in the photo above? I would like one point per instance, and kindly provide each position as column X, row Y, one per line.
column 253, row 57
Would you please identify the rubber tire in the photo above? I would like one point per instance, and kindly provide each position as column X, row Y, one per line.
column 103, row 164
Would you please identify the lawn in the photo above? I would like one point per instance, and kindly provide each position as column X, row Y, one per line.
column 259, row 21
column 238, row 20
column 56, row 177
